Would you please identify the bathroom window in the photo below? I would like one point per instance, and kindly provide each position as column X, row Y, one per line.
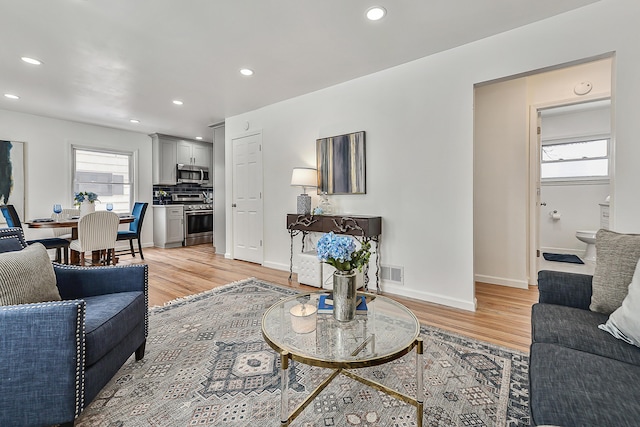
column 575, row 160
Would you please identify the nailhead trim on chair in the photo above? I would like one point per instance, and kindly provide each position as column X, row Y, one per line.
column 146, row 301
column 80, row 356
column 13, row 233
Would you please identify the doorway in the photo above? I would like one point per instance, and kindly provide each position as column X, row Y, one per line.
column 506, row 198
column 573, row 168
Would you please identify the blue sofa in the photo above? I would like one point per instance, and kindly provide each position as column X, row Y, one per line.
column 55, row 357
column 579, row 375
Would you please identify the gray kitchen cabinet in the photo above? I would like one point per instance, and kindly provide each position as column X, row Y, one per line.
column 194, row 153
column 167, row 151
column 168, row 225
column 163, row 154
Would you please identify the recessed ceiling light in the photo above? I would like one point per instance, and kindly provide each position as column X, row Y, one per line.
column 198, row 137
column 177, row 102
column 11, row 96
column 376, row 13
column 31, row 61
column 246, row 72
column 134, row 121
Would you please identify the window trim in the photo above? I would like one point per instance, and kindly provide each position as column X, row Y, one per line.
column 133, row 169
column 579, row 180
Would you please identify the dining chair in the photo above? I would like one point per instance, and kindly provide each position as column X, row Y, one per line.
column 11, row 216
column 135, row 228
column 64, row 233
column 97, row 231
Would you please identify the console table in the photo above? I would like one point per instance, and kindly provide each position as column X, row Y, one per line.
column 367, row 228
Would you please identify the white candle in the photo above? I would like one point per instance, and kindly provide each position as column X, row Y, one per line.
column 303, row 318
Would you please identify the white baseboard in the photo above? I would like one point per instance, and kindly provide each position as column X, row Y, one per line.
column 277, row 266
column 522, row 284
column 429, row 297
column 573, row 251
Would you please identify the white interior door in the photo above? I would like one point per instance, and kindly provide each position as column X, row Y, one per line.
column 247, row 198
column 534, row 191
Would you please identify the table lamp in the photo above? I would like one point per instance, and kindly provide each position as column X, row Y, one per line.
column 304, row 177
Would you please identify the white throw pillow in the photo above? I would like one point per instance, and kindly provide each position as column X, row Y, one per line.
column 624, row 323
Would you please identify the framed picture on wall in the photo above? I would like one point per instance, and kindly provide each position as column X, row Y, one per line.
column 341, row 164
column 12, row 176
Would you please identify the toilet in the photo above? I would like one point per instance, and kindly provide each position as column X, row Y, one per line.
column 589, row 237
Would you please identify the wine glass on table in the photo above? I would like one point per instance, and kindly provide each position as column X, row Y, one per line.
column 109, row 207
column 57, row 209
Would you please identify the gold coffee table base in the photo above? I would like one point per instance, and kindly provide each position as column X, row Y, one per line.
column 418, row 402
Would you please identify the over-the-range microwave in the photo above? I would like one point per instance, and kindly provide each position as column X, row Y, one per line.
column 190, row 174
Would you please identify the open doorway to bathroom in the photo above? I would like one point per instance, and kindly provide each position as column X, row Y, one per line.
column 507, row 212
column 574, row 172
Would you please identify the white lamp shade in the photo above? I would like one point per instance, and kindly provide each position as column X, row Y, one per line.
column 304, row 177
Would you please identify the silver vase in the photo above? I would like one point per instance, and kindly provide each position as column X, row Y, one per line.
column 344, row 295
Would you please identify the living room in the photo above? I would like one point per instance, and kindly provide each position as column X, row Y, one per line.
column 419, row 119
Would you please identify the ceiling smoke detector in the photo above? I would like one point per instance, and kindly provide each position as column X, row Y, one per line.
column 583, row 88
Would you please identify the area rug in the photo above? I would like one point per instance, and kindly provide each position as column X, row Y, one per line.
column 207, row 364
column 573, row 259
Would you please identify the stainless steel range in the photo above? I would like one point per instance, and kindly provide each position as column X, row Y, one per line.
column 198, row 218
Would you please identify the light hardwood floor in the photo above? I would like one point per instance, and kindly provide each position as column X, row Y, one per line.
column 502, row 316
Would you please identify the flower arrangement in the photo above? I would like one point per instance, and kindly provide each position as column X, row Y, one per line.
column 84, row 196
column 340, row 252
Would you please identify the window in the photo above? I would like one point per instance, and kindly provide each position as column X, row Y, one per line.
column 107, row 173
column 575, row 160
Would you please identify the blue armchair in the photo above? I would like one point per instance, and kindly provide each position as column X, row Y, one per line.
column 55, row 357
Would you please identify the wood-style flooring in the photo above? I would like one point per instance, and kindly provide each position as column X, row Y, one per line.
column 502, row 317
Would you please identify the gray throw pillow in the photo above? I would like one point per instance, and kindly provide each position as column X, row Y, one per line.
column 27, row 276
column 616, row 258
column 624, row 323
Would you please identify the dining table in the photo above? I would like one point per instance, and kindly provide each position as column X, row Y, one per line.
column 72, row 223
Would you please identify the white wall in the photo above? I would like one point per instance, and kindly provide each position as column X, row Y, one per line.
column 500, row 181
column 219, row 193
column 580, row 210
column 48, row 162
column 419, row 123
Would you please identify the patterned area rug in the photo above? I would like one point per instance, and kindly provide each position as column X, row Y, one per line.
column 207, row 365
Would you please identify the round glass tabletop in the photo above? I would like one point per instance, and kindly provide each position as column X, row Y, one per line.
column 384, row 331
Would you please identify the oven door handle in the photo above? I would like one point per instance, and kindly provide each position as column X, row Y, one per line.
column 209, row 212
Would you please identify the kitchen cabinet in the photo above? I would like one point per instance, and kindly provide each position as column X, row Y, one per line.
column 163, row 154
column 194, row 153
column 167, row 151
column 168, row 226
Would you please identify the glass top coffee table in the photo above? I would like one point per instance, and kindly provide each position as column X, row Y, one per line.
column 385, row 332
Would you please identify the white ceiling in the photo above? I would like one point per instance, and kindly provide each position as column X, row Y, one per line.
column 107, row 61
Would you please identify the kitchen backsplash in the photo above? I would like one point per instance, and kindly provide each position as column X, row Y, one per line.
column 181, row 188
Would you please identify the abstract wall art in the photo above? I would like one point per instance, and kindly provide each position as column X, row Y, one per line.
column 341, row 164
column 12, row 176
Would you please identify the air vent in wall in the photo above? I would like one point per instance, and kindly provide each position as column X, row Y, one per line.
column 390, row 273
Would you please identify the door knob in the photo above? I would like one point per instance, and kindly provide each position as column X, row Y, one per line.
column 543, row 204
column 233, row 205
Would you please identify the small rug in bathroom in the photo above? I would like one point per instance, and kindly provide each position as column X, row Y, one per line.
column 574, row 259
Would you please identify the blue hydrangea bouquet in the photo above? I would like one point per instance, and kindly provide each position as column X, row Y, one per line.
column 340, row 252
column 84, row 196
